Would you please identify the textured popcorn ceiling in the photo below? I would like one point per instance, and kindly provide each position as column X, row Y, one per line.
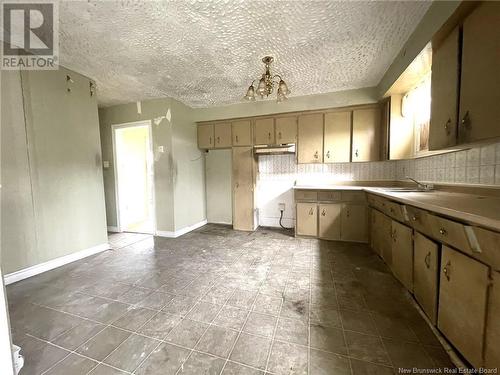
column 205, row 53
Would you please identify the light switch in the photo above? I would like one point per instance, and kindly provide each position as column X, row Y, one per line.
column 105, row 164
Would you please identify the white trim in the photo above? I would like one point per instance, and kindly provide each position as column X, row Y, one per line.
column 220, row 222
column 54, row 263
column 113, row 229
column 180, row 232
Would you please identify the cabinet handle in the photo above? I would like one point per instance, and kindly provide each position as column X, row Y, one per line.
column 443, row 232
column 447, row 127
column 218, row 139
column 427, row 260
column 466, row 120
column 210, row 140
column 446, row 270
column 237, row 185
column 414, row 218
column 236, row 139
column 323, row 213
column 356, row 153
column 311, row 211
column 279, row 135
column 348, row 213
column 316, row 155
column 393, row 235
column 269, row 136
column 328, row 154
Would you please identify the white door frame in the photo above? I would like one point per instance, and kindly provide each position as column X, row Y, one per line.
column 114, row 127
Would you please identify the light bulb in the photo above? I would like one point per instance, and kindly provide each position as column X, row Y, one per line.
column 250, row 94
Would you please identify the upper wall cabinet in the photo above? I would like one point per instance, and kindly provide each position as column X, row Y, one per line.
column 444, row 92
column 366, row 134
column 401, row 131
column 206, row 136
column 222, row 135
column 264, row 131
column 242, row 133
column 310, row 138
column 337, row 141
column 480, row 79
column 286, row 130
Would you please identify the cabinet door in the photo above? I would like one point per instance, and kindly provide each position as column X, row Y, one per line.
column 286, row 130
column 462, row 303
column 366, row 134
column 264, row 131
column 206, row 136
column 444, row 93
column 307, row 219
column 374, row 236
column 310, row 138
column 402, row 254
column 492, row 354
column 243, row 188
column 425, row 275
column 480, row 81
column 337, row 146
column 242, row 133
column 354, row 223
column 222, row 134
column 329, row 221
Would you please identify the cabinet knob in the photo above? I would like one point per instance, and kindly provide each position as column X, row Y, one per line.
column 348, row 213
column 446, row 270
column 443, row 232
column 236, row 139
column 427, row 260
column 356, row 153
column 328, row 154
column 466, row 120
column 447, row 126
column 414, row 218
column 268, row 135
column 311, row 211
column 316, row 155
column 323, row 213
column 218, row 139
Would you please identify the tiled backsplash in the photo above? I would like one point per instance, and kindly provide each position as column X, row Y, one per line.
column 277, row 174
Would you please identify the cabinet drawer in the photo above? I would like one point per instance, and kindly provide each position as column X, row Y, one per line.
column 376, row 201
column 450, row 232
column 419, row 220
column 354, row 196
column 306, row 195
column 329, row 195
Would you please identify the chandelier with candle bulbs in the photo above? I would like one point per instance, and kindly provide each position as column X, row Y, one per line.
column 267, row 84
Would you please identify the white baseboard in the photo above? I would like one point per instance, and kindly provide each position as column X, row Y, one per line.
column 221, row 222
column 180, row 232
column 113, row 229
column 54, row 263
column 275, row 222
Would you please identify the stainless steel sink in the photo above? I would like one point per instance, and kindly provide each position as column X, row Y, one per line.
column 406, row 190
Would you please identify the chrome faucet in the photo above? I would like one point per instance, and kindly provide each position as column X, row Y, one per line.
column 421, row 185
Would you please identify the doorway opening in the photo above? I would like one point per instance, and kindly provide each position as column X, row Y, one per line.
column 134, row 177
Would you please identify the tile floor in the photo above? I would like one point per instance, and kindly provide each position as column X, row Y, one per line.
column 217, row 301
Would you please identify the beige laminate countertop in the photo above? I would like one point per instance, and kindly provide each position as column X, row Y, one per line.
column 475, row 209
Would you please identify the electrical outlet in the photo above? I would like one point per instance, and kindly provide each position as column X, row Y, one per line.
column 281, row 206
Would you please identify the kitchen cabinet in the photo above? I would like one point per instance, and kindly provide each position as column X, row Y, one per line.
column 401, row 131
column 444, row 92
column 354, row 223
column 264, row 131
column 425, row 275
column 222, row 135
column 337, row 137
column 310, row 138
column 242, row 133
column 463, row 293
column 381, row 235
column 480, row 81
column 329, row 221
column 286, row 130
column 243, row 188
column 366, row 134
column 402, row 254
column 307, row 219
column 492, row 350
column 205, row 136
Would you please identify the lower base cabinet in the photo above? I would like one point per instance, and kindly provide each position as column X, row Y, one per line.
column 492, row 351
column 402, row 254
column 425, row 275
column 330, row 215
column 463, row 293
column 307, row 219
column 354, row 222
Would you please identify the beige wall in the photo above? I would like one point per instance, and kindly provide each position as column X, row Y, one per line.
column 52, row 196
column 218, row 185
column 179, row 170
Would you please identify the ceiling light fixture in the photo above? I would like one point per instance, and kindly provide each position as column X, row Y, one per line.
column 267, row 83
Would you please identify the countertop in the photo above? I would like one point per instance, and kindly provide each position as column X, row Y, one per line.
column 481, row 210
